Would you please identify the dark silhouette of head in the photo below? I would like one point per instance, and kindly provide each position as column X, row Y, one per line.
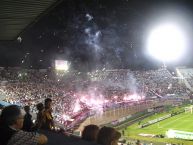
column 27, row 109
column 90, row 133
column 40, row 107
column 48, row 103
column 108, row 136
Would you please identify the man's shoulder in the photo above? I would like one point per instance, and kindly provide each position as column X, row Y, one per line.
column 22, row 137
column 25, row 133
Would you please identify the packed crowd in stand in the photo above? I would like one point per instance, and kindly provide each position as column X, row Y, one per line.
column 187, row 74
column 74, row 94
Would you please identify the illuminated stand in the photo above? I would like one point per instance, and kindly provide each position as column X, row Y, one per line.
column 189, row 109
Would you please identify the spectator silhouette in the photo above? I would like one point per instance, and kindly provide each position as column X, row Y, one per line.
column 11, row 122
column 48, row 122
column 108, row 136
column 90, row 133
column 27, row 123
column 39, row 119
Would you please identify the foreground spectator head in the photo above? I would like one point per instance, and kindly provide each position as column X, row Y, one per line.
column 12, row 116
column 108, row 136
column 27, row 109
column 40, row 106
column 90, row 133
column 48, row 103
column 10, row 129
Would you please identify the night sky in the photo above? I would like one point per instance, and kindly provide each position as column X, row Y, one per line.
column 97, row 33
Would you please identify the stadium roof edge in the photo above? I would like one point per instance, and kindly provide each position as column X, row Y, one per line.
column 17, row 16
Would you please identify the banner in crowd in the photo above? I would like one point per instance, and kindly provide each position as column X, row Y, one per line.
column 156, row 120
column 115, row 122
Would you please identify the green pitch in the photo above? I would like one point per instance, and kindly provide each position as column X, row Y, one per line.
column 183, row 122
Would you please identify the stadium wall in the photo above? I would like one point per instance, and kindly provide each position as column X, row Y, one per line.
column 116, row 114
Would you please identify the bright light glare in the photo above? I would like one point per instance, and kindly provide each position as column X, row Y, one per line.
column 61, row 65
column 166, row 43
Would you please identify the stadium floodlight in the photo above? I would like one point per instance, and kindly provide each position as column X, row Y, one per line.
column 166, row 42
column 62, row 65
column 66, row 67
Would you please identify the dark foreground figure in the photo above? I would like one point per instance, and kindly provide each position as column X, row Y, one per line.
column 11, row 123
